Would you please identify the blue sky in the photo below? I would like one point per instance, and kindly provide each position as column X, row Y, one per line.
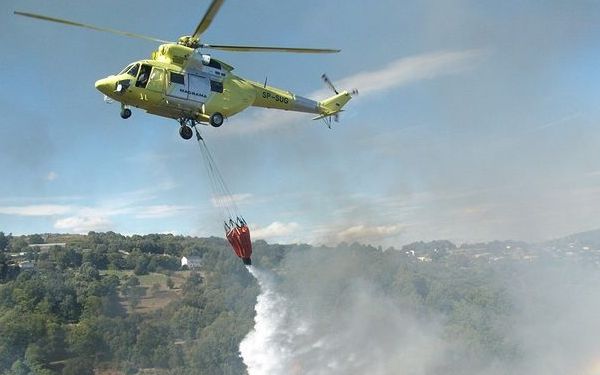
column 477, row 120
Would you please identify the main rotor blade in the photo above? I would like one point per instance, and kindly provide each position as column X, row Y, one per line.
column 71, row 23
column 208, row 18
column 267, row 49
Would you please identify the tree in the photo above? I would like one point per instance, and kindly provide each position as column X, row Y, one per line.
column 85, row 340
column 151, row 343
column 133, row 291
column 17, row 244
column 170, row 283
column 3, row 241
column 97, row 258
column 19, row 368
column 3, row 267
column 78, row 366
column 116, row 261
column 36, row 239
column 67, row 258
column 141, row 266
column 131, row 281
column 87, row 272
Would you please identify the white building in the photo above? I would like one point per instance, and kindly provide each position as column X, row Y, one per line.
column 26, row 265
column 191, row 262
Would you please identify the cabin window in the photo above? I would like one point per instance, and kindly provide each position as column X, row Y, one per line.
column 177, row 78
column 142, row 80
column 216, row 86
column 214, row 64
column 157, row 81
column 133, row 71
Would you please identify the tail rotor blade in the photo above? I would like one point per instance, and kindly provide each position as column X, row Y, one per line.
column 329, row 83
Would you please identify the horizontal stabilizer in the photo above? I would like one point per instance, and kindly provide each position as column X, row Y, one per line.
column 325, row 115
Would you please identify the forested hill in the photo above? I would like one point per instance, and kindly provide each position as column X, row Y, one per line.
column 110, row 304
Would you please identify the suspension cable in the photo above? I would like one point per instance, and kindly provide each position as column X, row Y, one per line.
column 222, row 196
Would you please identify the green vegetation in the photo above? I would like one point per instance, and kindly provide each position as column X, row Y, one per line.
column 89, row 306
column 110, row 302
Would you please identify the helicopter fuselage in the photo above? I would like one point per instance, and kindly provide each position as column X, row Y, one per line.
column 179, row 83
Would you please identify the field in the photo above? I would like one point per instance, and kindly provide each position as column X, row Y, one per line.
column 157, row 293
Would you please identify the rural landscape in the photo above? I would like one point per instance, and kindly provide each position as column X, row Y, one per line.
column 104, row 303
column 220, row 187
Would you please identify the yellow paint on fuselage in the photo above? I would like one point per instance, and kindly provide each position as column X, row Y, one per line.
column 237, row 94
column 272, row 97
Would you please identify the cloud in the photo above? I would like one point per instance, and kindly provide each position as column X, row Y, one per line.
column 84, row 224
column 100, row 215
column 398, row 73
column 275, row 230
column 52, row 176
column 364, row 232
column 36, row 210
column 410, row 69
column 29, row 199
column 159, row 211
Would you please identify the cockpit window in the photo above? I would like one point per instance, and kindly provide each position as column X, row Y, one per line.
column 126, row 69
column 133, row 71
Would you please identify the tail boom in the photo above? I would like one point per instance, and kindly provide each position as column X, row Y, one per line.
column 271, row 97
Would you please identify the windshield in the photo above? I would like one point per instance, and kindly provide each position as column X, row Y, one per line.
column 126, row 69
column 131, row 69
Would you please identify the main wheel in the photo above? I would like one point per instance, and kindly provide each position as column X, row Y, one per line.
column 185, row 132
column 125, row 113
column 216, row 119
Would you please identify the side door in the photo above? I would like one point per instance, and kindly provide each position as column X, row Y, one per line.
column 156, row 82
column 177, row 85
column 199, row 87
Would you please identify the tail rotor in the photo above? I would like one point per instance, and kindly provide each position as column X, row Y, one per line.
column 327, row 119
column 329, row 83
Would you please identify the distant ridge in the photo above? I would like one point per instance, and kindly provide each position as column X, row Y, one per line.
column 589, row 238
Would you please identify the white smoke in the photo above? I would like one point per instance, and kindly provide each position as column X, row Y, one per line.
column 322, row 314
column 363, row 333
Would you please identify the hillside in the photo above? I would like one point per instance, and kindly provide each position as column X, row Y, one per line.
column 122, row 305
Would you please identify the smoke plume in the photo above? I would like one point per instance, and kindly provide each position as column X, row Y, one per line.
column 302, row 328
column 342, row 311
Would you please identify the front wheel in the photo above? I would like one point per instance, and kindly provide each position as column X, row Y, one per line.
column 185, row 132
column 216, row 119
column 125, row 113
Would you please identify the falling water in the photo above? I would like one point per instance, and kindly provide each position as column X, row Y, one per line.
column 263, row 350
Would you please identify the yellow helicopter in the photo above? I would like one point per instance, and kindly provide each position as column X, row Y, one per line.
column 182, row 83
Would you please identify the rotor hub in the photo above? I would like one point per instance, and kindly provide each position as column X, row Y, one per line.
column 189, row 41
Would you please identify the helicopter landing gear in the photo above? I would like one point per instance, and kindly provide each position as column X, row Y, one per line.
column 216, row 119
column 125, row 112
column 185, row 130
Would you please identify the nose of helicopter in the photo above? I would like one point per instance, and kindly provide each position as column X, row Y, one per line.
column 104, row 85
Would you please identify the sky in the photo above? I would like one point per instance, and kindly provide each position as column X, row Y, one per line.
column 476, row 120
